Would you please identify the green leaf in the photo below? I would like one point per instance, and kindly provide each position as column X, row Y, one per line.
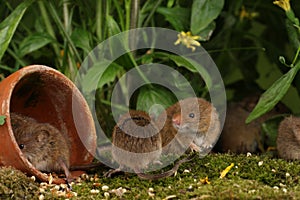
column 112, row 26
column 2, row 119
column 190, row 65
column 274, row 94
column 80, row 38
column 207, row 32
column 100, row 74
column 177, row 16
column 34, row 42
column 110, row 74
column 10, row 24
column 149, row 99
column 203, row 13
column 270, row 130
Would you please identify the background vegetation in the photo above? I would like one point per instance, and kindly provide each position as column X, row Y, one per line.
column 245, row 38
column 253, row 43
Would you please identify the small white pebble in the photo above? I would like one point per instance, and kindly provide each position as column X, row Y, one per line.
column 260, row 163
column 273, row 170
column 105, row 188
column 94, row 191
column 195, row 180
column 41, row 197
column 186, row 171
column 190, row 187
column 151, row 189
column 249, row 154
column 170, row 187
column 287, row 174
column 276, row 187
column 236, row 166
column 284, row 190
column 106, row 194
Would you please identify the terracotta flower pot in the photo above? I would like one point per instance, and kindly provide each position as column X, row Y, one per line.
column 48, row 96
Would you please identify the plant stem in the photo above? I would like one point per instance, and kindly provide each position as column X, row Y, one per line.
column 99, row 14
column 64, row 32
column 296, row 56
column 49, row 27
column 120, row 15
column 127, row 11
column 151, row 13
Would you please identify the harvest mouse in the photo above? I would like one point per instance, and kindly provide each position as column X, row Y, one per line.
column 136, row 144
column 42, row 144
column 288, row 138
column 191, row 122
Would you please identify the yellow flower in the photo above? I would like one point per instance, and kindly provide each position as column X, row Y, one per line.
column 284, row 4
column 205, row 180
column 226, row 170
column 246, row 14
column 188, row 40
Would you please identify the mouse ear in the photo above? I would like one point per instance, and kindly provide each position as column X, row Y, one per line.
column 42, row 135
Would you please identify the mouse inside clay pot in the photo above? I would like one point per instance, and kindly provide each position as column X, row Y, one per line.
column 43, row 145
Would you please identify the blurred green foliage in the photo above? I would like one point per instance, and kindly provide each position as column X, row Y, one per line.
column 245, row 39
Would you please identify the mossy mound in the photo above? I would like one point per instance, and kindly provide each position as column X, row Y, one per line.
column 16, row 185
column 250, row 177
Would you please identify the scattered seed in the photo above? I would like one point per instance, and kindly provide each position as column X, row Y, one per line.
column 50, row 179
column 106, row 194
column 41, row 197
column 260, row 163
column 284, row 190
column 33, row 178
column 105, row 188
column 170, row 197
column 186, row 171
column 94, row 191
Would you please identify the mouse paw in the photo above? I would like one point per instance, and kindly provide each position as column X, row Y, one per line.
column 111, row 172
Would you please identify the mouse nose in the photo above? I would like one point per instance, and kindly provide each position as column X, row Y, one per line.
column 176, row 119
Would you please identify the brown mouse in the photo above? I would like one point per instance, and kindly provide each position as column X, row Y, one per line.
column 288, row 138
column 239, row 137
column 191, row 122
column 136, row 144
column 42, row 144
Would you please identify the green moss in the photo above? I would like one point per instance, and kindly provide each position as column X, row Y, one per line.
column 16, row 185
column 253, row 177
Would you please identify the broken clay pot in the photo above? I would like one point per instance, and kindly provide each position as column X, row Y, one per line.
column 50, row 97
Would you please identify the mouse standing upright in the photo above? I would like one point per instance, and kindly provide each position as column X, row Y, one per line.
column 191, row 122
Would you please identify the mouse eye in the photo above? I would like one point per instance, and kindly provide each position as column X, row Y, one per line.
column 21, row 146
column 191, row 115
